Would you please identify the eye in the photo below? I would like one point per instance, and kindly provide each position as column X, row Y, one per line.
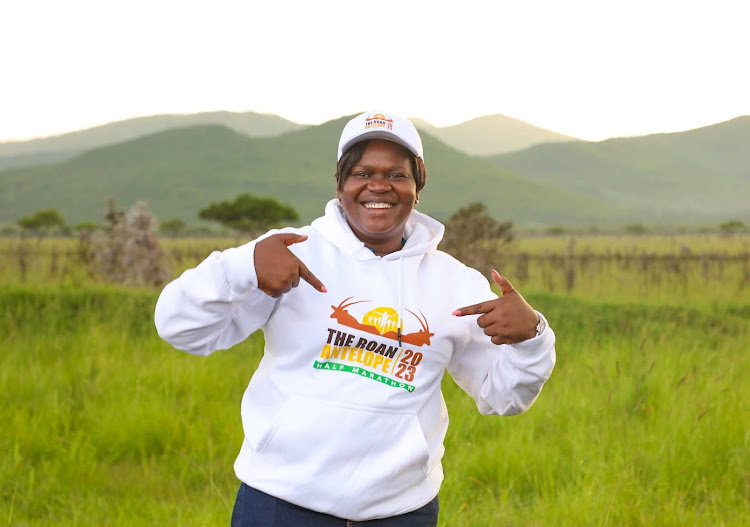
column 397, row 175
column 361, row 174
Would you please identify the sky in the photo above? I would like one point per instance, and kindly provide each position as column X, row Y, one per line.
column 589, row 69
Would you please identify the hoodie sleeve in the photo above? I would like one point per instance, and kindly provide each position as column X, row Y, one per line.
column 504, row 379
column 215, row 305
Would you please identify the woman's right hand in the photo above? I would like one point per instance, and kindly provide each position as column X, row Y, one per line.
column 278, row 269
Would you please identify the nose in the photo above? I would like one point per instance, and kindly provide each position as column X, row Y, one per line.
column 378, row 184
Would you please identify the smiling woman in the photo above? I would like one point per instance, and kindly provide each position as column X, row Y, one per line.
column 378, row 194
column 344, row 419
column 379, row 175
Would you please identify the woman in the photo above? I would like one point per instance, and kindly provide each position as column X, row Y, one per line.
column 344, row 419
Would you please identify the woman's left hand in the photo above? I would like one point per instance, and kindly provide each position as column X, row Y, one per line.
column 506, row 320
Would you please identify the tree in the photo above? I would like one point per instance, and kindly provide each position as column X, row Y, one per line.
column 249, row 214
column 732, row 227
column 173, row 227
column 476, row 238
column 42, row 221
column 86, row 226
column 635, row 228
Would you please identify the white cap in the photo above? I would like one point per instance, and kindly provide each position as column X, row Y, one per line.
column 381, row 125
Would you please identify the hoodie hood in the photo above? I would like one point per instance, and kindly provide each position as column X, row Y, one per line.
column 422, row 233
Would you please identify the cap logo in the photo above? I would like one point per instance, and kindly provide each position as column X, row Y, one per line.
column 378, row 120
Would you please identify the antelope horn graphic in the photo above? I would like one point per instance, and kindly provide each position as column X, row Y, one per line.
column 425, row 325
column 342, row 306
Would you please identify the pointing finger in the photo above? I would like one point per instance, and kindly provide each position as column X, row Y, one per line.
column 310, row 278
column 290, row 238
column 505, row 286
column 476, row 309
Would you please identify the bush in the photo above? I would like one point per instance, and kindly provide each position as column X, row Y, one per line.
column 128, row 253
column 476, row 238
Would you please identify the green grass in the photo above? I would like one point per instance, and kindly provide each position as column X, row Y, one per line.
column 696, row 270
column 644, row 421
column 657, row 243
column 109, row 425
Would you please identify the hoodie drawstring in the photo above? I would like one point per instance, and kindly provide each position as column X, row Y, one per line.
column 400, row 302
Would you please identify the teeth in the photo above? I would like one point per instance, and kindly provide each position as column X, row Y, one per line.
column 378, row 205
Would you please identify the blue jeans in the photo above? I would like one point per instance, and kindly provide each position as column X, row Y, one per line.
column 254, row 508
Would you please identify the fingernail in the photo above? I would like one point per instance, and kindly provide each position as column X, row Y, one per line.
column 457, row 312
column 323, row 289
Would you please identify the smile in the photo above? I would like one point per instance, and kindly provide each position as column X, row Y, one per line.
column 370, row 205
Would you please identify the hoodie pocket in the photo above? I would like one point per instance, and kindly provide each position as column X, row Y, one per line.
column 338, row 452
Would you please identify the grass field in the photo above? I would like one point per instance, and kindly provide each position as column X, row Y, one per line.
column 656, row 269
column 644, row 421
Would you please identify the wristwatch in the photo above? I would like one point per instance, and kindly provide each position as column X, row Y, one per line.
column 540, row 327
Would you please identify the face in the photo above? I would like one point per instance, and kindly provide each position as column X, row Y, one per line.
column 379, row 194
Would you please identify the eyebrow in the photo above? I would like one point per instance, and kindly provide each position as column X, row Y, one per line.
column 388, row 169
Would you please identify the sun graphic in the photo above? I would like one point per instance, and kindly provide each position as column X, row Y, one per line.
column 385, row 319
column 379, row 117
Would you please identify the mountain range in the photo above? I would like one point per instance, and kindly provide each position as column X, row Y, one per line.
column 180, row 165
column 64, row 146
column 703, row 174
column 491, row 134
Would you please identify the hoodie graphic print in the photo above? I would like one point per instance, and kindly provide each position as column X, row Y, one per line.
column 354, row 351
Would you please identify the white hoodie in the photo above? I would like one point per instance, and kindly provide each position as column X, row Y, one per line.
column 340, row 418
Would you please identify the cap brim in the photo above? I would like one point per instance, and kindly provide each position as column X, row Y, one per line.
column 377, row 134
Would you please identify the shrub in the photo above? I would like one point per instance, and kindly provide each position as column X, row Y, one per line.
column 476, row 238
column 128, row 253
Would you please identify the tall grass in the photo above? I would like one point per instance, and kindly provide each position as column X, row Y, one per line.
column 110, row 426
column 703, row 270
column 644, row 421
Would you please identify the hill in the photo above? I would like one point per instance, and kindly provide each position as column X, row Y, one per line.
column 492, row 134
column 181, row 171
column 30, row 160
column 698, row 175
column 65, row 146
